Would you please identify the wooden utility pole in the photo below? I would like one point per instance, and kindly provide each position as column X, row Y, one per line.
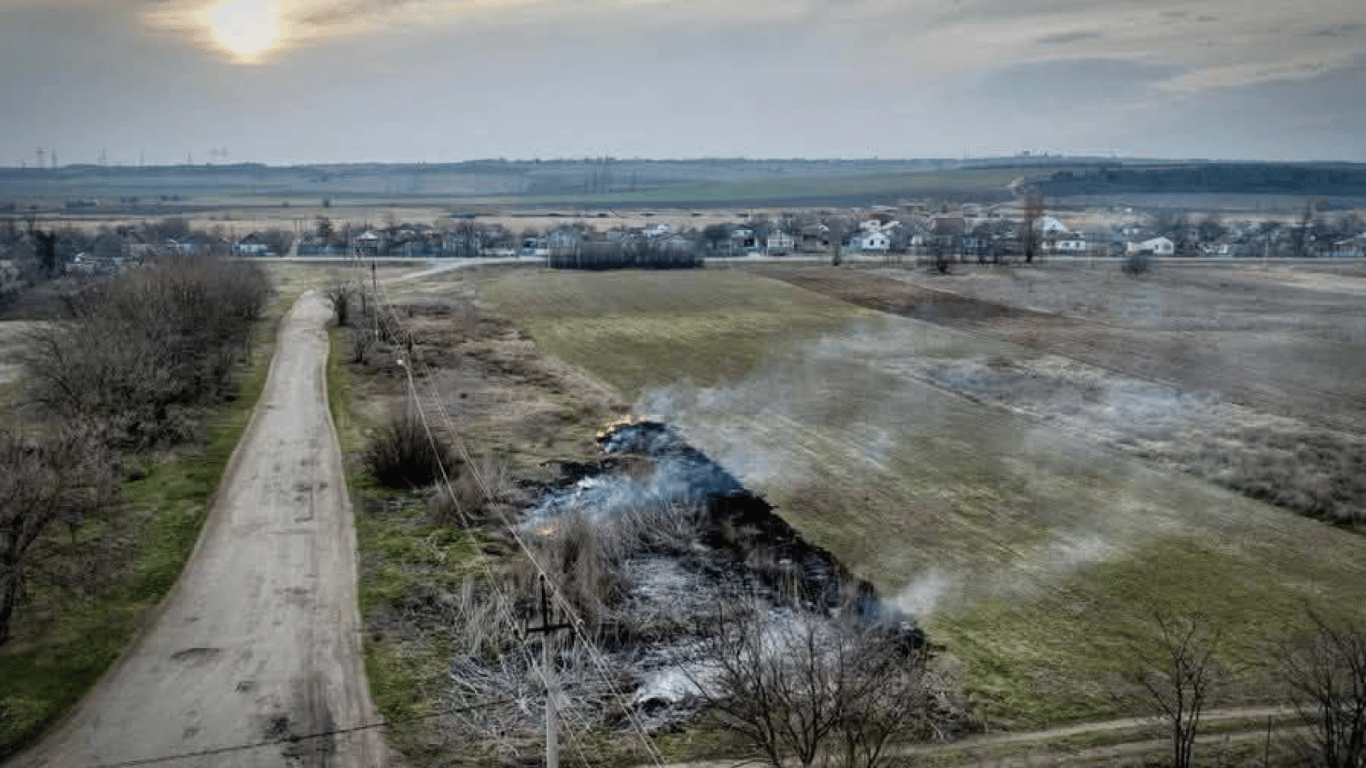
column 552, row 738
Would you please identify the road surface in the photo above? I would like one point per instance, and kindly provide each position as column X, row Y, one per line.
column 260, row 640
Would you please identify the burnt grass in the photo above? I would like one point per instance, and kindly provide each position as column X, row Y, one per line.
column 741, row 526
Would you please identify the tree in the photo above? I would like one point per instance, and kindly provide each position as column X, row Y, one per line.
column 1178, row 678
column 1029, row 231
column 715, row 234
column 819, row 690
column 45, row 250
column 1326, row 677
column 1211, row 228
column 1300, row 237
column 44, row 481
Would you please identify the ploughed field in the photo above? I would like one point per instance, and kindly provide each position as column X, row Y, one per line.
column 1033, row 551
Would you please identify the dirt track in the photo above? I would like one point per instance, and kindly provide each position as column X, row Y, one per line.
column 260, row 639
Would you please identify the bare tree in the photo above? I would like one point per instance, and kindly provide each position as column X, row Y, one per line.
column 340, row 294
column 821, row 691
column 1029, row 231
column 1326, row 677
column 1177, row 679
column 1300, row 237
column 44, row 482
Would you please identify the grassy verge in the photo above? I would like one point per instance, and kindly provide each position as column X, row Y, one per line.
column 44, row 673
column 403, row 558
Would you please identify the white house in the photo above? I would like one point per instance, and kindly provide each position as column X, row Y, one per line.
column 1072, row 243
column 872, row 242
column 251, row 245
column 1050, row 225
column 369, row 243
column 780, row 243
column 1157, row 246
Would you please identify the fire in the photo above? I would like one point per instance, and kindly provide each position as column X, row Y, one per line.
column 626, row 421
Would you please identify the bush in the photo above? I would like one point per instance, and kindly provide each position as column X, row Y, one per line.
column 1136, row 264
column 402, row 455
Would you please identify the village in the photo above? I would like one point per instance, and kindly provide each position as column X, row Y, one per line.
column 1016, row 232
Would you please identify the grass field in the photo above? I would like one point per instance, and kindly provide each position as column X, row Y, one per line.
column 1035, row 557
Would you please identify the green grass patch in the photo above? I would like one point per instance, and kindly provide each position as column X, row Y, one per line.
column 401, row 557
column 44, row 675
column 1036, row 557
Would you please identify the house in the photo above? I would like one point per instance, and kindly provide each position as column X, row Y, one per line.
column 875, row 241
column 1050, row 225
column 562, row 242
column 253, row 244
column 190, row 245
column 368, row 243
column 1157, row 246
column 744, row 241
column 535, row 247
column 1071, row 243
column 815, row 237
column 780, row 243
column 1351, row 248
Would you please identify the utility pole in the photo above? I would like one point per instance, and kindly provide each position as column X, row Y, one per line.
column 552, row 738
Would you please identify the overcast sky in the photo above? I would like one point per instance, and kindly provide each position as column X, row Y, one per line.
column 442, row 80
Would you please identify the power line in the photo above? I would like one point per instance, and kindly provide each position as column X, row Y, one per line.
column 393, row 326
column 576, row 625
column 293, row 739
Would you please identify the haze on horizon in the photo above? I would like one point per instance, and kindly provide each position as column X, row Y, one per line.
column 307, row 81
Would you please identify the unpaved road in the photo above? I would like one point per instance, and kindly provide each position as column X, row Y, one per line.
column 1036, row 748
column 260, row 639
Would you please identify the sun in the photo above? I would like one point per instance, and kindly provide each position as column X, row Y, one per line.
column 245, row 26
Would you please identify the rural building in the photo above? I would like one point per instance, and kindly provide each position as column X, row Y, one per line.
column 743, row 240
column 1157, row 246
column 535, row 246
column 1351, row 248
column 1072, row 243
column 562, row 242
column 815, row 237
column 780, row 243
column 253, row 244
column 872, row 242
column 369, row 243
column 1050, row 225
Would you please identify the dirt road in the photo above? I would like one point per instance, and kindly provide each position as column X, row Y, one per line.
column 260, row 639
column 1133, row 737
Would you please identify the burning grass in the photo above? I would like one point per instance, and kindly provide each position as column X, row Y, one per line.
column 1035, row 554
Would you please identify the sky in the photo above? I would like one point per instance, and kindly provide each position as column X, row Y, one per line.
column 314, row 81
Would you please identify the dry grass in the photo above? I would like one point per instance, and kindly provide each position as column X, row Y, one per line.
column 1034, row 555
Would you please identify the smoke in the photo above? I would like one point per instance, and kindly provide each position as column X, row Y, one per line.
column 867, row 406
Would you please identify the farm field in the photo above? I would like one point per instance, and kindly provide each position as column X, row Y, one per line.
column 1035, row 555
column 1285, row 341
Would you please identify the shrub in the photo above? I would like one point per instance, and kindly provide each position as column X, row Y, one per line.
column 1136, row 264
column 402, row 455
